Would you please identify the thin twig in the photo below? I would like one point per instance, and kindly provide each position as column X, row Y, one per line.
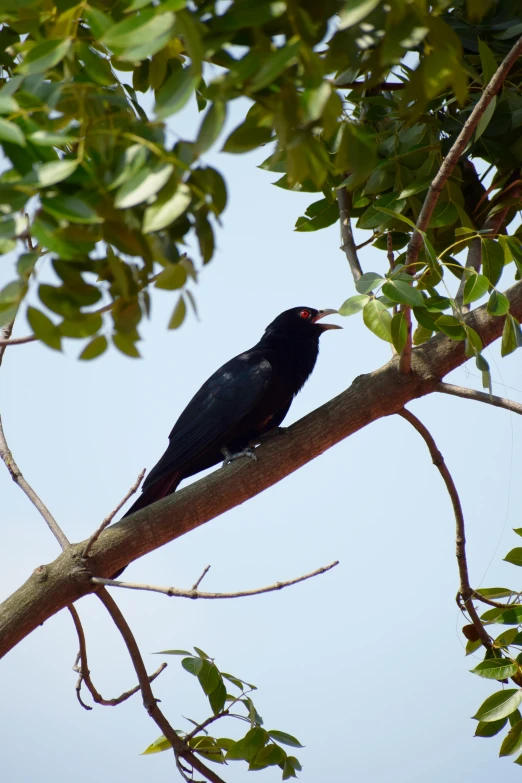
column 16, row 474
column 149, row 702
column 198, row 581
column 344, row 200
column 206, row 723
column 405, row 360
column 108, row 519
column 472, row 394
column 389, row 250
column 176, row 592
column 465, row 589
column 452, row 158
column 85, row 675
column 490, row 602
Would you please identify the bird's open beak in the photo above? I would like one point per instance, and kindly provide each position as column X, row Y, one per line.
column 323, row 314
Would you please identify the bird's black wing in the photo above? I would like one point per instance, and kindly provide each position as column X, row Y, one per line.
column 223, row 400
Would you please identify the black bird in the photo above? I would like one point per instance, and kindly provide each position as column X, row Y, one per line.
column 246, row 398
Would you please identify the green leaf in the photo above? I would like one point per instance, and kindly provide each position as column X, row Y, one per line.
column 487, row 61
column 140, row 35
column 286, row 739
column 368, row 282
column 44, row 328
column 245, row 138
column 125, row 344
column 93, row 349
column 8, row 104
column 178, row 316
column 497, row 592
column 44, row 139
column 511, row 616
column 175, row 92
column 492, row 260
column 71, row 208
column 355, row 11
column 451, row 326
column 377, row 319
column 84, row 326
column 209, row 677
column 475, row 287
column 44, row 56
column 490, row 729
column 354, row 304
column 157, row 746
column 495, row 669
column 273, row 64
column 513, row 741
column 246, row 748
column 403, row 293
column 323, row 214
column 510, row 336
column 399, row 331
column 55, row 171
column 11, row 133
column 268, row 756
column 486, row 118
column 498, row 304
column 515, row 556
column 211, row 126
column 142, row 185
column 173, row 652
column 166, row 209
column 192, row 665
column 499, row 705
column 172, row 278
column 218, row 697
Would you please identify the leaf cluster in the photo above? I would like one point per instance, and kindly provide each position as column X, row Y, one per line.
column 259, row 748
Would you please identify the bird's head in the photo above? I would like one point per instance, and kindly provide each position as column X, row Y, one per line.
column 301, row 322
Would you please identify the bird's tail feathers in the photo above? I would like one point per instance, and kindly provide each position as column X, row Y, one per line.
column 157, row 490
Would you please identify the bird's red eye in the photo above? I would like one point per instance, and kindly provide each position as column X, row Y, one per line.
column 304, row 314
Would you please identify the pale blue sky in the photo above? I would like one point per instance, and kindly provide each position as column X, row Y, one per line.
column 365, row 664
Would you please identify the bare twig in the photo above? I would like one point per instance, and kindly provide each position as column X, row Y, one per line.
column 181, row 750
column 451, row 159
column 108, row 519
column 389, row 250
column 82, row 668
column 206, row 723
column 198, row 581
column 16, row 474
column 489, row 601
column 344, row 200
column 465, row 590
column 176, row 592
column 472, row 394
column 405, row 360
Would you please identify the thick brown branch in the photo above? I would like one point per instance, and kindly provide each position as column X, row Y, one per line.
column 438, row 460
column 108, row 519
column 149, row 701
column 472, row 394
column 370, row 397
column 175, row 591
column 452, row 158
column 344, row 200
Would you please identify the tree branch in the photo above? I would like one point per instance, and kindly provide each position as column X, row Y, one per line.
column 85, row 675
column 344, row 200
column 465, row 589
column 380, row 393
column 149, row 701
column 405, row 358
column 108, row 519
column 472, row 394
column 200, row 578
column 193, row 593
column 452, row 158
